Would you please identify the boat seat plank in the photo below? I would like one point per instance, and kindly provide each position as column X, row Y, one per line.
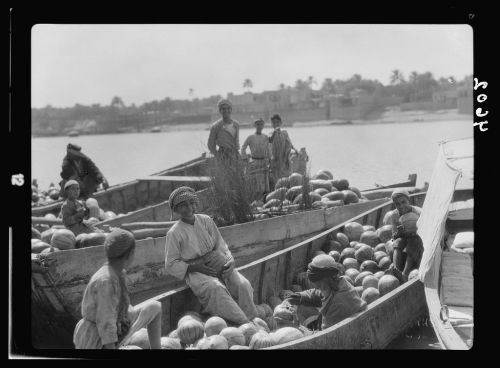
column 196, row 179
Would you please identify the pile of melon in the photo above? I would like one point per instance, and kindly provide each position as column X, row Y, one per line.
column 214, row 333
column 324, row 192
column 365, row 254
column 43, row 197
column 48, row 239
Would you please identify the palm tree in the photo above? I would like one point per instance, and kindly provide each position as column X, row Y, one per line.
column 117, row 102
column 357, row 78
column 191, row 91
column 328, row 85
column 282, row 86
column 300, row 84
column 397, row 77
column 247, row 83
column 311, row 81
column 413, row 77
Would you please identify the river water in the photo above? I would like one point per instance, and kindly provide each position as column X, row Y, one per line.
column 364, row 154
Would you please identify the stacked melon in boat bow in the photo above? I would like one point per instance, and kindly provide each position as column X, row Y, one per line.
column 323, row 191
column 49, row 239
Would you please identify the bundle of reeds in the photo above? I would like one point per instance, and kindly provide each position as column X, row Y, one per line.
column 229, row 195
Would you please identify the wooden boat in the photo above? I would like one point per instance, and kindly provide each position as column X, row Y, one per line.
column 130, row 196
column 447, row 273
column 58, row 280
column 374, row 327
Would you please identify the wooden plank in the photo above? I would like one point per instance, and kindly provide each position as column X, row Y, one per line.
column 180, row 179
column 261, row 282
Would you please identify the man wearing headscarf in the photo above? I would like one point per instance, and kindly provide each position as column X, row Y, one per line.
column 408, row 246
column 281, row 149
column 79, row 167
column 108, row 320
column 224, row 133
column 335, row 297
column 197, row 253
column 260, row 157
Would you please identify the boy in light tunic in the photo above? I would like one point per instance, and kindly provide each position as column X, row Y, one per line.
column 195, row 251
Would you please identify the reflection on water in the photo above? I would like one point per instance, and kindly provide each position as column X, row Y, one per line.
column 364, row 154
column 420, row 335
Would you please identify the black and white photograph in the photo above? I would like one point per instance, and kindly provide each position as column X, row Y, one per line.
column 251, row 186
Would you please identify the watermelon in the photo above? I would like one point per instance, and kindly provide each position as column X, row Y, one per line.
column 409, row 222
column 326, row 173
column 369, row 228
column 330, row 245
column 355, row 190
column 93, row 207
column 214, row 325
column 359, row 279
column 335, row 196
column 350, row 263
column 285, row 334
column 37, row 246
column 379, row 274
column 317, row 253
column 335, row 255
column 321, row 191
column 110, row 214
column 261, row 340
column 63, row 239
column 233, row 335
column 380, row 248
column 389, row 247
column 277, row 194
column 359, row 245
column 353, row 244
column 341, row 184
column 168, row 343
column 35, row 234
column 140, row 339
column 384, row 233
column 90, row 240
column 317, row 205
column 295, row 179
column 50, row 216
column 352, row 273
column 320, row 176
column 312, row 195
column 364, row 253
column 370, row 295
column 35, row 197
column 214, row 342
column 321, row 184
column 377, row 256
column 239, row 347
column 282, row 183
column 248, row 330
column 342, row 239
column 387, row 283
column 260, row 324
column 272, row 203
column 351, row 281
column 353, row 230
column 347, row 253
column 384, row 263
column 413, row 274
column 369, row 281
column 190, row 330
column 54, row 194
column 350, row 197
column 369, row 265
column 369, row 237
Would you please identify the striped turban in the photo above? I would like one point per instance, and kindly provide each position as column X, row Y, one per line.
column 180, row 195
column 321, row 267
column 400, row 193
column 118, row 242
column 224, row 102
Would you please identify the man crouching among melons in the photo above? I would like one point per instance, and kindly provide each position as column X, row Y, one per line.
column 195, row 251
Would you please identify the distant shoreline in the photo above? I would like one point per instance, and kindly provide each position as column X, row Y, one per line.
column 390, row 117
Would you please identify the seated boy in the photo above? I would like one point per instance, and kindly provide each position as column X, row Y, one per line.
column 74, row 212
column 196, row 252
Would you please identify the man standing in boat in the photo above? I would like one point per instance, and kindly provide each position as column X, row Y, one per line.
column 78, row 166
column 197, row 253
column 225, row 133
column 281, row 148
column 258, row 166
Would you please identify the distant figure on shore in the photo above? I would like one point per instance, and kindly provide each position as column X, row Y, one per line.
column 281, row 148
column 225, row 133
column 260, row 159
column 77, row 166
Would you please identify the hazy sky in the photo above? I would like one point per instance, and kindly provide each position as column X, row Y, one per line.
column 89, row 64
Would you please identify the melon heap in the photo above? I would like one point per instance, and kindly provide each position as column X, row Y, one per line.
column 387, row 283
column 369, row 237
column 250, row 329
column 364, row 253
column 214, row 325
column 370, row 294
column 169, row 343
column 353, row 230
column 214, row 342
column 384, row 233
column 359, row 279
column 261, row 340
column 369, row 281
column 233, row 335
column 37, row 246
column 190, row 330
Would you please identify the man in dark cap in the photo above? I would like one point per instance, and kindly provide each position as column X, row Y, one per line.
column 334, row 295
column 79, row 167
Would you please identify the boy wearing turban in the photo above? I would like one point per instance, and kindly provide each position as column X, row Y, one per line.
column 335, row 297
column 109, row 321
column 197, row 253
column 408, row 246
